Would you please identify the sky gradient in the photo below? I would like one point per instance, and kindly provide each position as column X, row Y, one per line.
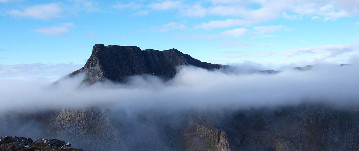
column 218, row 31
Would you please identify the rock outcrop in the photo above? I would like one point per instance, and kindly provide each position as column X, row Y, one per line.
column 8, row 143
column 205, row 137
column 87, row 127
column 116, row 63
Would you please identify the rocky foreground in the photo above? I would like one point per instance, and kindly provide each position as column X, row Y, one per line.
column 309, row 127
column 8, row 143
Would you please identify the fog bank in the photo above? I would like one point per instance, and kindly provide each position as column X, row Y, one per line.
column 191, row 88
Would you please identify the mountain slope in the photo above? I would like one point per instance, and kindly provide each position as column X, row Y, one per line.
column 116, row 63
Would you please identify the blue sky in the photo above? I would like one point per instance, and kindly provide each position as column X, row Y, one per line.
column 218, row 31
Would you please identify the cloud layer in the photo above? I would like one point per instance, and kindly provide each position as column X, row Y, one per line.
column 191, row 88
column 42, row 73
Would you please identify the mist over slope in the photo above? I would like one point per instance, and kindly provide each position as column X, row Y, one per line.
column 191, row 88
column 235, row 108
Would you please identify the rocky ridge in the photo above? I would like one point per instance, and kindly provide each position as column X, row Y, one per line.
column 116, row 63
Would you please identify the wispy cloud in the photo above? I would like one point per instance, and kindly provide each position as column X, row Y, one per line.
column 267, row 10
column 244, row 12
column 132, row 6
column 127, row 6
column 166, row 5
column 265, row 45
column 329, row 53
column 222, row 24
column 236, row 43
column 42, row 12
column 225, row 1
column 141, row 12
column 237, row 32
column 55, row 30
column 8, row 1
column 332, row 54
column 172, row 26
column 326, row 11
column 83, row 5
column 195, row 10
column 267, row 29
column 232, row 33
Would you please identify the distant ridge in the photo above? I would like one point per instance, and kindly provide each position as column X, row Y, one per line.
column 116, row 63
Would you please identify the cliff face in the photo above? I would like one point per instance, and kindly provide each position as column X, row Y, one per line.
column 116, row 63
column 202, row 136
column 89, row 127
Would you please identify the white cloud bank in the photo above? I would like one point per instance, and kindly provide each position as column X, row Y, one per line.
column 191, row 88
column 36, row 72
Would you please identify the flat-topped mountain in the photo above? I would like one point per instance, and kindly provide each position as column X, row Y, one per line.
column 116, row 63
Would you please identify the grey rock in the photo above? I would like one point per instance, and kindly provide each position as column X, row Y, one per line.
column 116, row 63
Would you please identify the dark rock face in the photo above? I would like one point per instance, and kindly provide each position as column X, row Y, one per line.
column 90, row 128
column 9, row 143
column 310, row 127
column 202, row 136
column 305, row 68
column 116, row 63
